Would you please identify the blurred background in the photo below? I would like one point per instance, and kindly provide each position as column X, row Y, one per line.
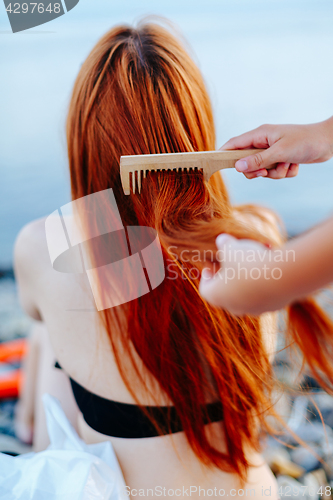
column 264, row 61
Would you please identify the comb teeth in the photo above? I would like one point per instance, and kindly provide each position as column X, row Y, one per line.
column 134, row 168
column 136, row 176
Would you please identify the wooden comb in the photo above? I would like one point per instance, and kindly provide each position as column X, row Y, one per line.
column 134, row 168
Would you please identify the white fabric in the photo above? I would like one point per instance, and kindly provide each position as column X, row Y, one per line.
column 68, row 469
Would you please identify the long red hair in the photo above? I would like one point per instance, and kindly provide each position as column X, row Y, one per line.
column 139, row 92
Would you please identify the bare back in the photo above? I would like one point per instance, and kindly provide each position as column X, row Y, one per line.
column 64, row 303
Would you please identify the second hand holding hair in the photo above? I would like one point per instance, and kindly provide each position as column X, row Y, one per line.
column 235, row 287
column 281, row 276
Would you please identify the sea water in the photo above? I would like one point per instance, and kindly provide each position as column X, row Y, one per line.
column 264, row 61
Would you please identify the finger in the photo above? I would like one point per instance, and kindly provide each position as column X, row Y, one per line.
column 293, row 170
column 223, row 239
column 256, row 138
column 265, row 159
column 211, row 287
column 259, row 173
column 206, row 274
column 279, row 172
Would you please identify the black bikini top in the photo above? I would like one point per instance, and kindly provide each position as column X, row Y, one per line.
column 124, row 420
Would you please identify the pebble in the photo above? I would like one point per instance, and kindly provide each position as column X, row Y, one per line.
column 280, row 463
column 305, row 458
column 310, row 432
column 294, row 467
column 289, row 487
column 14, row 322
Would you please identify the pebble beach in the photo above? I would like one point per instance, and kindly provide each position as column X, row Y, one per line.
column 263, row 62
column 304, row 471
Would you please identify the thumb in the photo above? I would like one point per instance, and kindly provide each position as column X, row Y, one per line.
column 211, row 286
column 258, row 161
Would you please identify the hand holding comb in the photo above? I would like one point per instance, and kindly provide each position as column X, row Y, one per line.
column 134, row 168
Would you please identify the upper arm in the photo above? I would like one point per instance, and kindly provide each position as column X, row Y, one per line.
column 27, row 258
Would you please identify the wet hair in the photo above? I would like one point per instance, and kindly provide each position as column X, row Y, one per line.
column 139, row 92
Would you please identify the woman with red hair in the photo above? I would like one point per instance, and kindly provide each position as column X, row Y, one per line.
column 180, row 388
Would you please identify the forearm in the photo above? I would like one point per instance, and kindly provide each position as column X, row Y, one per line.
column 313, row 266
column 304, row 265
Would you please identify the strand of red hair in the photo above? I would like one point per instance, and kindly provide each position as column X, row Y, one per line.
column 139, row 92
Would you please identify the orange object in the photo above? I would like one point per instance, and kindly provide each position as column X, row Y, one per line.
column 15, row 349
column 10, row 384
column 208, row 162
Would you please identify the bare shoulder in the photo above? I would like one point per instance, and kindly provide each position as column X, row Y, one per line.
column 31, row 262
column 33, row 229
column 30, row 249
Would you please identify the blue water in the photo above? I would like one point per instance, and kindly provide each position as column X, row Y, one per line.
column 263, row 61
